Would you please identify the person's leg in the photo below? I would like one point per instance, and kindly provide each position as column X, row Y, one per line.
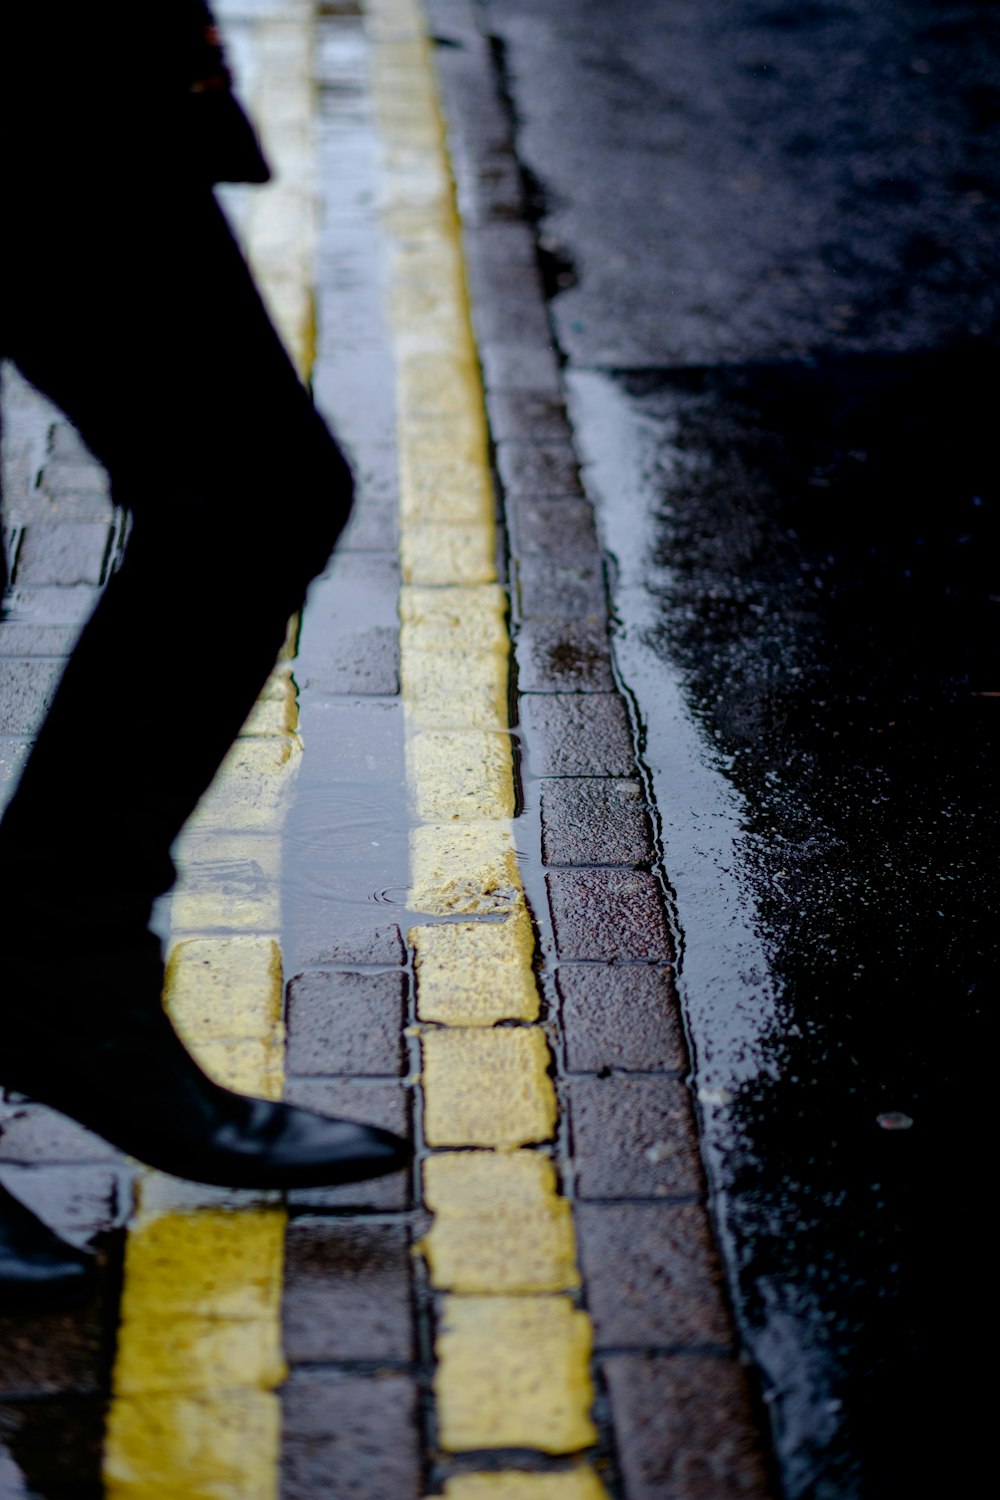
column 237, row 494
column 156, row 346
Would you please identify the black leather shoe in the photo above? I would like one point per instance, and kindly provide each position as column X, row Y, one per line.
column 126, row 1075
column 36, row 1266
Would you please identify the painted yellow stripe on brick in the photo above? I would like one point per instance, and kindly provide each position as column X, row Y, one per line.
column 487, row 1087
column 513, row 1370
column 572, row 1484
column 194, row 1410
column 514, row 1373
column 476, row 973
column 499, row 1224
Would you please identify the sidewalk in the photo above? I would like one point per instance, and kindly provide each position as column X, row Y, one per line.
column 539, row 1315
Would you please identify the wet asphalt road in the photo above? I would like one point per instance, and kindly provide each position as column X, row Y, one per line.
column 770, row 233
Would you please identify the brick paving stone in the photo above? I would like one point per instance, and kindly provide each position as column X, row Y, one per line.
column 552, row 526
column 347, row 1292
column 507, row 249
column 372, row 1102
column 30, row 1133
column 13, row 754
column 345, row 1023
column 28, row 689
column 685, row 1428
column 53, row 1352
column 366, row 736
column 79, row 1199
column 528, row 415
column 651, row 1275
column 520, row 367
column 560, row 589
column 564, row 656
column 511, row 313
column 66, row 553
column 37, row 640
column 577, row 735
column 621, row 1017
column 538, row 468
column 374, row 527
column 634, row 1138
column 56, row 1444
column 349, row 1437
column 607, row 915
column 492, row 192
column 595, row 821
column 361, row 662
column 381, row 946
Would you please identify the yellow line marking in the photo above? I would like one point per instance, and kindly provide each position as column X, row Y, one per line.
column 572, row 1484
column 458, row 869
column 461, row 774
column 225, row 997
column 476, row 973
column 499, row 1225
column 513, row 1371
column 487, row 1087
column 199, row 1357
column 435, row 699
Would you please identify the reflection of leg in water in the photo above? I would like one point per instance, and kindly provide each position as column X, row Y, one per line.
column 154, row 342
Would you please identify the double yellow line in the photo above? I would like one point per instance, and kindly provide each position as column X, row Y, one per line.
column 195, row 1411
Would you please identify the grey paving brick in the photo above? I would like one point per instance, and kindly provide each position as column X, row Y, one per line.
column 52, row 1352
column 37, row 640
column 590, row 821
column 345, row 1023
column 78, row 1200
column 563, row 656
column 492, row 192
column 538, row 468
column 374, row 526
column 651, row 1275
column 503, row 278
column 56, row 1443
column 62, row 604
column 566, row 734
column 528, row 415
column 685, row 1428
column 520, row 366
column 624, row 1016
column 13, row 754
column 503, row 247
column 30, row 1133
column 366, row 737
column 608, row 914
column 382, row 946
column 634, row 1138
column 503, row 314
column 372, row 1102
column 26, row 691
column 66, row 552
column 353, row 1437
column 347, row 1292
column 562, row 590
column 358, row 662
column 543, row 526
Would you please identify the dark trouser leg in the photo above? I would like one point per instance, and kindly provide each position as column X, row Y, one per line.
column 237, row 493
column 153, row 341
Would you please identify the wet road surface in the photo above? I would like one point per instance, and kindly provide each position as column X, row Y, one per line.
column 770, row 239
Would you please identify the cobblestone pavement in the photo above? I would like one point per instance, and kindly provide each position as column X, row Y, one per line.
column 540, row 1312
